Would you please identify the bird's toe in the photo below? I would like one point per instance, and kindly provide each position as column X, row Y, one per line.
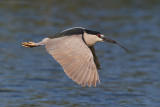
column 28, row 44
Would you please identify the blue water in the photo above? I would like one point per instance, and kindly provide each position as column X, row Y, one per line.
column 31, row 78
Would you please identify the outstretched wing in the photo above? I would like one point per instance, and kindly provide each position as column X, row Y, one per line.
column 75, row 57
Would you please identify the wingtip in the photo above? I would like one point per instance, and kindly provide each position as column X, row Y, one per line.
column 83, row 84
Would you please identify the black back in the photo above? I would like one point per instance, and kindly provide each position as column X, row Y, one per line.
column 74, row 31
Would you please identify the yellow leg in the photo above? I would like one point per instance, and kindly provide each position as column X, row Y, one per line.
column 28, row 44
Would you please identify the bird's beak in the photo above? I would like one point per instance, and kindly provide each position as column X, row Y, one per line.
column 106, row 39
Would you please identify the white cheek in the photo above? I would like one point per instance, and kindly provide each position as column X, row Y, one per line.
column 99, row 39
column 91, row 39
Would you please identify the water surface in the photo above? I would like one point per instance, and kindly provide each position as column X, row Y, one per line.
column 31, row 78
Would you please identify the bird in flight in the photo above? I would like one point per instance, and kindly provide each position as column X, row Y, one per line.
column 74, row 50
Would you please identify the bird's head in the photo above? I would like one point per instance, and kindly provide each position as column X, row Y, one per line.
column 99, row 37
column 106, row 39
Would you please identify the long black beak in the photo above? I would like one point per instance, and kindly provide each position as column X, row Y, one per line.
column 106, row 39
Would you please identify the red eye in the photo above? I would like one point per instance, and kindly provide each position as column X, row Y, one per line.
column 99, row 35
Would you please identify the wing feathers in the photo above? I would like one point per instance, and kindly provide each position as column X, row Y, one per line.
column 76, row 59
column 82, row 74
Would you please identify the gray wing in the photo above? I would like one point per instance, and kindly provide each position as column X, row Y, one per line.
column 95, row 57
column 75, row 57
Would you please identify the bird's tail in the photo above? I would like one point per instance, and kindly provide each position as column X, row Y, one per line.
column 33, row 44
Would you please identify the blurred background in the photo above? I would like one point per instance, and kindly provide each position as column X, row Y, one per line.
column 32, row 78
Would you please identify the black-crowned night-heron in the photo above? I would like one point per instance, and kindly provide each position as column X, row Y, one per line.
column 74, row 50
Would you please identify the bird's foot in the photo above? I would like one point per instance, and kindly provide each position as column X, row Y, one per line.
column 29, row 44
